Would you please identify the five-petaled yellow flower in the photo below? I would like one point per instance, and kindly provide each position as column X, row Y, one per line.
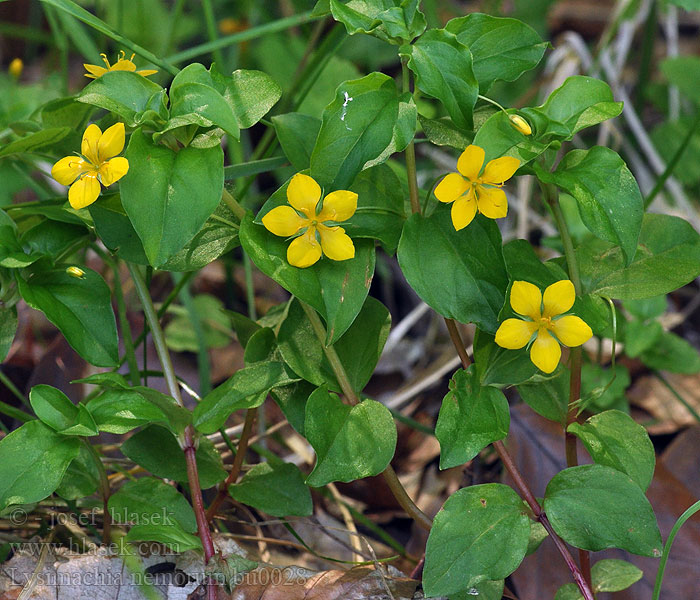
column 317, row 225
column 97, row 163
column 545, row 314
column 471, row 192
column 122, row 64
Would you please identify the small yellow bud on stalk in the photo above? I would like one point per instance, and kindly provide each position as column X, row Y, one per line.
column 76, row 272
column 520, row 124
column 15, row 68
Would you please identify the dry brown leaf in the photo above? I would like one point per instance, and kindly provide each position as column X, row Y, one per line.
column 649, row 393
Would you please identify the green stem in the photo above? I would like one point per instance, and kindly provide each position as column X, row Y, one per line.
column 233, row 204
column 187, row 440
column 210, row 21
column 341, row 375
column 410, row 151
column 667, row 547
column 125, row 327
column 104, row 492
column 491, row 101
column 203, row 364
column 11, row 411
column 673, row 163
column 570, row 441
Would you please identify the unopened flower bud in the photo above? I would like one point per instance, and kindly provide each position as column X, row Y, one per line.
column 520, row 124
column 76, row 272
column 15, row 68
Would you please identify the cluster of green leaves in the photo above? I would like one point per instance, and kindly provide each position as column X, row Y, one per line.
column 169, row 214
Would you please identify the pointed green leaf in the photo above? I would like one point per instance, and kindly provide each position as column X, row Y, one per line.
column 613, row 575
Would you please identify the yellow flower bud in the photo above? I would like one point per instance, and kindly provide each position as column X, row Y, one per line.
column 15, row 68
column 76, row 272
column 520, row 124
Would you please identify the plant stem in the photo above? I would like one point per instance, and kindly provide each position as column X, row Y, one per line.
column 341, row 375
column 551, row 195
column 124, row 324
column 11, row 411
column 105, row 493
column 237, row 463
column 232, row 204
column 188, row 438
column 526, row 493
column 410, row 151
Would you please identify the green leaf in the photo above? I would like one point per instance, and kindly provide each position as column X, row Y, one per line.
column 33, row 460
column 276, row 489
column 443, row 68
column 121, row 410
column 357, row 126
column 404, row 130
column 498, row 137
column 169, row 195
column 8, row 328
column 297, row 135
column 683, row 72
column 604, row 387
column 81, row 477
column 394, row 21
column 471, row 417
column 614, row 439
column 131, row 96
column 502, row 49
column 460, row 274
column 578, row 103
column 380, row 210
column 668, row 257
column 595, row 507
column 199, row 104
column 550, row 397
column 672, row 353
column 640, row 336
column 149, row 501
column 156, row 450
column 442, row 132
column 292, row 402
column 80, row 308
column 350, row 442
column 647, row 308
column 359, row 348
column 115, row 229
column 481, row 533
column 53, row 407
column 568, row 591
column 336, row 289
column 170, row 535
column 607, row 194
column 251, row 94
column 35, row 141
column 52, row 238
column 500, row 367
column 180, row 334
column 612, row 575
column 247, row 388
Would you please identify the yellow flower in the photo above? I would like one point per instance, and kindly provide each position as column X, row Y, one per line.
column 470, row 192
column 520, row 124
column 545, row 314
column 76, row 272
column 98, row 162
column 122, row 64
column 15, row 68
column 319, row 230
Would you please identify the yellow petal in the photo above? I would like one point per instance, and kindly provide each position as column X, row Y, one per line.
column 571, row 330
column 94, row 71
column 88, row 147
column 113, row 170
column 68, row 169
column 500, row 169
column 545, row 352
column 303, row 193
column 492, row 202
column 146, row 72
column 335, row 243
column 558, row 298
column 470, row 162
column 526, row 299
column 111, row 142
column 123, row 64
column 338, row 206
column 305, row 250
column 451, row 187
column 463, row 211
column 84, row 191
column 283, row 221
column 515, row 333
